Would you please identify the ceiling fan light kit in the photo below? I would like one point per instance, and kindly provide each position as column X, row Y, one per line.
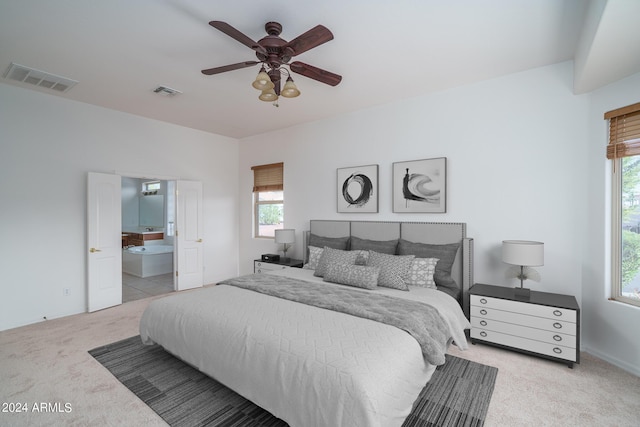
column 262, row 81
column 290, row 90
column 268, row 95
column 273, row 53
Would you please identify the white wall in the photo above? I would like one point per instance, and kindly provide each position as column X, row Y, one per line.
column 610, row 329
column 47, row 147
column 512, row 168
column 518, row 168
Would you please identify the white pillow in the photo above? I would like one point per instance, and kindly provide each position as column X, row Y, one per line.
column 421, row 273
column 314, row 257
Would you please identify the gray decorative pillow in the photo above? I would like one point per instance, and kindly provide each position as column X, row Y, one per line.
column 360, row 276
column 446, row 255
column 333, row 242
column 380, row 246
column 421, row 272
column 314, row 258
column 331, row 256
column 393, row 269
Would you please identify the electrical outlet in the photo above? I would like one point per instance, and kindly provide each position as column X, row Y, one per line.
column 66, row 292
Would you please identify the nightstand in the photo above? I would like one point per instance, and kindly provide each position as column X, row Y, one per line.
column 260, row 266
column 546, row 325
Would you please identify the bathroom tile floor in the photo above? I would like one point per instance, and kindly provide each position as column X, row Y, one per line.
column 135, row 288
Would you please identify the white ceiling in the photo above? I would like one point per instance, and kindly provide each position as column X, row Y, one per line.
column 120, row 50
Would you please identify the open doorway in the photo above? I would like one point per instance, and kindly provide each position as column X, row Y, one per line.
column 105, row 250
column 148, row 224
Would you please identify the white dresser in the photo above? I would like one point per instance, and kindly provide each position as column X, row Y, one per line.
column 260, row 266
column 545, row 325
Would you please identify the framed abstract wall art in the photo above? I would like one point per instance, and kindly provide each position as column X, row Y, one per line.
column 358, row 189
column 420, row 186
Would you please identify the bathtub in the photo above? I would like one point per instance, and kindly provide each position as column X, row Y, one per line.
column 147, row 261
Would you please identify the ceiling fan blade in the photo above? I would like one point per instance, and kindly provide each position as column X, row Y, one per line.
column 230, row 67
column 312, row 38
column 315, row 73
column 236, row 34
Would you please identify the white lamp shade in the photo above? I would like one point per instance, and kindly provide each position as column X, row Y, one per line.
column 523, row 252
column 285, row 235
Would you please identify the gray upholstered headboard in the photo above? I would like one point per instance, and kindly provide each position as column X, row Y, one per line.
column 418, row 232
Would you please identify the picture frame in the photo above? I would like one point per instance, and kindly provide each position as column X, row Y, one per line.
column 420, row 186
column 357, row 189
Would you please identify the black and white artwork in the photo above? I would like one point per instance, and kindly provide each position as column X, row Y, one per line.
column 420, row 186
column 358, row 189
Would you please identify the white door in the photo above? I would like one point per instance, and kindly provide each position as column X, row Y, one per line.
column 104, row 241
column 189, row 253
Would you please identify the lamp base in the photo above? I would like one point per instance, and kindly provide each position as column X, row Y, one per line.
column 522, row 293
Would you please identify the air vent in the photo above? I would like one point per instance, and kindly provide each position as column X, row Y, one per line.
column 166, row 91
column 39, row 78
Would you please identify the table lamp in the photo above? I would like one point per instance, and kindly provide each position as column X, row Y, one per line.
column 286, row 236
column 525, row 254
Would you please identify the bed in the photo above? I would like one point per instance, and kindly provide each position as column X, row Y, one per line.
column 318, row 353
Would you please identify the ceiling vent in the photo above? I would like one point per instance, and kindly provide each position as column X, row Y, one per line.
column 166, row 91
column 39, row 78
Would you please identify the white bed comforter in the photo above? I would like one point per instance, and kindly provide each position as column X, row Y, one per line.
column 306, row 365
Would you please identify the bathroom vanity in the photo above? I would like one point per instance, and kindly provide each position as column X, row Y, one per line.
column 139, row 238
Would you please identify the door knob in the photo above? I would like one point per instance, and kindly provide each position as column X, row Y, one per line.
column 92, row 250
column 199, row 240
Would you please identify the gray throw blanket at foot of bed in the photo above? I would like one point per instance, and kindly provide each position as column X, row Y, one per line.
column 421, row 321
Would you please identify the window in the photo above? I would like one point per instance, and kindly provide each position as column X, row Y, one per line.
column 268, row 199
column 624, row 151
column 150, row 187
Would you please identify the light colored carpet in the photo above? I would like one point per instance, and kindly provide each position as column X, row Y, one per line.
column 49, row 363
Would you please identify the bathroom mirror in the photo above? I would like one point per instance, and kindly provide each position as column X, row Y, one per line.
column 151, row 211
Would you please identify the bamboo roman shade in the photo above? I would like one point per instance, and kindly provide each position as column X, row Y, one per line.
column 268, row 177
column 624, row 132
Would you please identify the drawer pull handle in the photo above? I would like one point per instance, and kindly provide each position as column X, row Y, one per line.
column 483, row 312
column 557, row 313
column 483, row 301
column 557, row 350
column 557, row 337
column 483, row 322
column 483, row 334
column 557, row 325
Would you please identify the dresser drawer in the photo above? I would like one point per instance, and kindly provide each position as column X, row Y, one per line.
column 543, row 324
column 524, row 319
column 260, row 267
column 554, row 350
column 524, row 332
column 544, row 311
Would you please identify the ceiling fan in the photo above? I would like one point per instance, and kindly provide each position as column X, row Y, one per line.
column 273, row 52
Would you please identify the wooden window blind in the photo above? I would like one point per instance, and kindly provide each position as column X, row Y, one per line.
column 624, row 131
column 268, row 177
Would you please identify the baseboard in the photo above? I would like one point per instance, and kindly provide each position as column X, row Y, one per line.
column 635, row 370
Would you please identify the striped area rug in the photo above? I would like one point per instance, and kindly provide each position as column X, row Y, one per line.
column 458, row 393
